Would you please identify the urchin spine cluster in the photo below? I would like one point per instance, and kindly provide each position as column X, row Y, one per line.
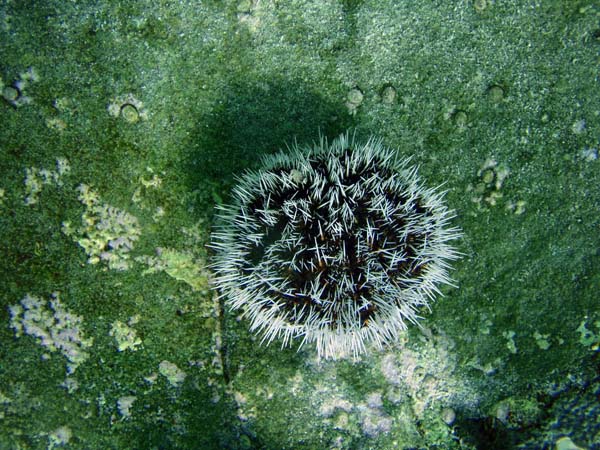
column 339, row 244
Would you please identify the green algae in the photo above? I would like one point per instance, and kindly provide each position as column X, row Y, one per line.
column 451, row 84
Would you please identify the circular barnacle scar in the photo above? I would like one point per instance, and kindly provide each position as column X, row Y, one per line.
column 460, row 119
column 10, row 93
column 355, row 96
column 338, row 244
column 128, row 108
column 388, row 94
column 130, row 113
column 495, row 93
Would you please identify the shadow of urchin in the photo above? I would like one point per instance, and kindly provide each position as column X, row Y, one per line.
column 339, row 244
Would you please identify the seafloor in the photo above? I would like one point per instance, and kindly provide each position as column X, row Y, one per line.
column 122, row 124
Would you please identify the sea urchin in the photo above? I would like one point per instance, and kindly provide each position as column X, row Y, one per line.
column 339, row 244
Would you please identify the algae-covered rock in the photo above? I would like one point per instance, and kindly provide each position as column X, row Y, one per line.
column 123, row 125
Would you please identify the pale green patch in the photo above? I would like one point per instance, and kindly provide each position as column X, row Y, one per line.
column 59, row 437
column 154, row 183
column 36, row 179
column 542, row 340
column 488, row 368
column 4, row 399
column 488, row 190
column 16, row 92
column 125, row 336
column 124, row 405
column 159, row 213
column 565, row 443
column 56, row 124
column 181, row 265
column 587, row 337
column 510, row 344
column 174, row 374
column 485, row 324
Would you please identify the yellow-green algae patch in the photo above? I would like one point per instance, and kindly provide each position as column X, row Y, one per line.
column 181, row 265
column 106, row 233
column 125, row 335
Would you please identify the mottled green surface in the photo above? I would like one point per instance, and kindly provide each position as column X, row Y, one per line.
column 156, row 106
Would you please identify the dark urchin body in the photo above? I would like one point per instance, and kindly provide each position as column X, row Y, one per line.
column 339, row 244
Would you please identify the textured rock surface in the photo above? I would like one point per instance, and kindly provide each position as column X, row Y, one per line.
column 155, row 107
